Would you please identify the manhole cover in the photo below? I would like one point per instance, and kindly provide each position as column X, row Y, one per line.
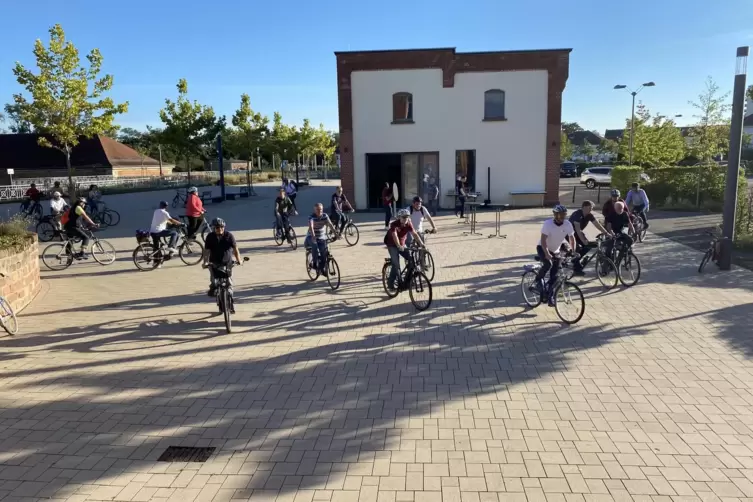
column 186, row 454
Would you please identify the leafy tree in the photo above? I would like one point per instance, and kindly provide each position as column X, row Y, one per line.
column 283, row 139
column 250, row 130
column 571, row 127
column 566, row 148
column 586, row 150
column 709, row 137
column 15, row 123
column 608, row 147
column 63, row 107
column 657, row 141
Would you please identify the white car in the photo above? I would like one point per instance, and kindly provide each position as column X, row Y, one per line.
column 602, row 175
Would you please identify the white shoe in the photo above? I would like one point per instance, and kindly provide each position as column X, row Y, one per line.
column 172, row 250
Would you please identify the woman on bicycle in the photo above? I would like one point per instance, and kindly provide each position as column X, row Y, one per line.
column 73, row 226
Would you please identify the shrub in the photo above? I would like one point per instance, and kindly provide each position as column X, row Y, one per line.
column 14, row 234
column 624, row 176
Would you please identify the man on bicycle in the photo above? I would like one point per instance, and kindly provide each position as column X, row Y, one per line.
column 417, row 214
column 316, row 238
column 57, row 207
column 194, row 212
column 160, row 221
column 283, row 208
column 555, row 233
column 608, row 207
column 72, row 226
column 619, row 222
column 338, row 207
column 638, row 199
column 395, row 241
column 33, row 196
column 580, row 220
column 220, row 249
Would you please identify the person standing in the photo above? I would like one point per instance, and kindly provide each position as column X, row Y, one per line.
column 460, row 193
column 433, row 197
column 387, row 203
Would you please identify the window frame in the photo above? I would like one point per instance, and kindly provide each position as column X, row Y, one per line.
column 495, row 118
column 408, row 120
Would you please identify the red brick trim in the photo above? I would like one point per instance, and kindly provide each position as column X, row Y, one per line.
column 555, row 61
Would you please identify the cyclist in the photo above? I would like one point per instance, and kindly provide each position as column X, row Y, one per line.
column 291, row 190
column 94, row 197
column 160, row 220
column 338, row 207
column 56, row 188
column 72, row 226
column 580, row 220
column 283, row 208
column 220, row 249
column 395, row 242
column 417, row 214
column 619, row 222
column 194, row 212
column 555, row 233
column 57, row 207
column 33, row 196
column 638, row 199
column 608, row 207
column 316, row 238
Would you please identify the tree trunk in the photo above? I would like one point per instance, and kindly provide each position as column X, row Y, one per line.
column 71, row 186
column 248, row 174
column 188, row 169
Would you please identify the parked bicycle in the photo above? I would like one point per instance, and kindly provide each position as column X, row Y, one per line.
column 225, row 301
column 203, row 229
column 289, row 236
column 350, row 232
column 628, row 265
column 60, row 255
column 569, row 302
column 180, row 197
column 606, row 271
column 410, row 278
column 105, row 216
column 422, row 256
column 713, row 252
column 331, row 269
column 146, row 257
column 31, row 210
column 7, row 315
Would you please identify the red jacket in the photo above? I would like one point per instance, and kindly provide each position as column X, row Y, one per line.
column 194, row 206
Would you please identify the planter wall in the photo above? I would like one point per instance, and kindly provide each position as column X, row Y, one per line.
column 21, row 268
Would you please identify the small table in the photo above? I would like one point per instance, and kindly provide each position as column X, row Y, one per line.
column 498, row 208
column 472, row 206
column 472, row 197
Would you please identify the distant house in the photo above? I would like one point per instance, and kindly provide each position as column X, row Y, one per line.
column 579, row 138
column 96, row 156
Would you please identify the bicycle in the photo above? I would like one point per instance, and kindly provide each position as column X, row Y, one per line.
column 106, row 217
column 146, row 258
column 59, row 255
column 33, row 211
column 203, row 228
column 606, row 270
column 331, row 269
column 349, row 231
column 290, row 237
column 48, row 227
column 713, row 252
column 562, row 291
column 225, row 302
column 422, row 256
column 639, row 233
column 626, row 262
column 7, row 315
column 179, row 197
column 410, row 278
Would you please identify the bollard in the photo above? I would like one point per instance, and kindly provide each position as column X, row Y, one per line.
column 574, row 194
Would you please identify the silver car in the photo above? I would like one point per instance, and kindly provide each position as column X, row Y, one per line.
column 593, row 176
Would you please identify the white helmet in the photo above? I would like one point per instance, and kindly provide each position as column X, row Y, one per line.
column 193, row 190
column 403, row 213
column 56, row 194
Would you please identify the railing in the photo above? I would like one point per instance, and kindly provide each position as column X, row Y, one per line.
column 11, row 192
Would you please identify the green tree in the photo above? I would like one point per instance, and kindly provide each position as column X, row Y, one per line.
column 566, row 148
column 709, row 137
column 657, row 141
column 250, row 130
column 67, row 99
column 608, row 147
column 586, row 150
column 283, row 139
column 307, row 141
column 15, row 123
column 189, row 126
column 571, row 127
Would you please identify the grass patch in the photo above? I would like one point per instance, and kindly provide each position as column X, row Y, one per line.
column 14, row 234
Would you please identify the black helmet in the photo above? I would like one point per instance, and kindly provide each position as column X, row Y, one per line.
column 417, row 199
column 163, row 204
column 218, row 222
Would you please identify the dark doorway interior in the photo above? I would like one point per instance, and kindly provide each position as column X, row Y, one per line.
column 382, row 168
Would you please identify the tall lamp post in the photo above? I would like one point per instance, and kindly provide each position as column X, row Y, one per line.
column 733, row 163
column 632, row 114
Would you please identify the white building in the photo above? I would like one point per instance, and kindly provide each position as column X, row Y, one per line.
column 415, row 116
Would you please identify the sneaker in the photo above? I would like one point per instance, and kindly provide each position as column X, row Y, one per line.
column 172, row 250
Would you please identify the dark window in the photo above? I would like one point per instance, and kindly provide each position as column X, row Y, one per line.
column 494, row 104
column 465, row 166
column 402, row 107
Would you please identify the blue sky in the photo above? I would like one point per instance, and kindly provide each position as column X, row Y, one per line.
column 281, row 53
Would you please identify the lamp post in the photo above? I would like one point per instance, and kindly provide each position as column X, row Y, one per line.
column 632, row 114
column 221, row 167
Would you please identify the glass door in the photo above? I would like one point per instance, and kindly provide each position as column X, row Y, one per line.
column 410, row 178
column 429, row 174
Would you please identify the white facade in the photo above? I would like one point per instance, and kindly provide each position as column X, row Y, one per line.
column 451, row 119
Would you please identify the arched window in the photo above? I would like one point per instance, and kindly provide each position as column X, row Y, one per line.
column 402, row 107
column 494, row 104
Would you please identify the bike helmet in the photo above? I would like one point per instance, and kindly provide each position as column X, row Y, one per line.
column 403, row 213
column 82, row 200
column 417, row 199
column 559, row 208
column 163, row 204
column 193, row 190
column 56, row 194
column 218, row 222
column 615, row 193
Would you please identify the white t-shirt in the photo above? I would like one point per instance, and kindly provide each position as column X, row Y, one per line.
column 57, row 205
column 159, row 221
column 417, row 217
column 556, row 235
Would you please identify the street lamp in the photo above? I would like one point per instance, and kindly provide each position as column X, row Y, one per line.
column 632, row 115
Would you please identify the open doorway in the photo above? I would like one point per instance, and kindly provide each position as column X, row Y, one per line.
column 382, row 168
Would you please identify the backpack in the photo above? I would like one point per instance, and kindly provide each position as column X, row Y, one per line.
column 65, row 217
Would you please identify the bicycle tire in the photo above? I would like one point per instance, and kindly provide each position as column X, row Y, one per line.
column 580, row 299
column 226, row 310
column 529, row 279
column 106, row 219
column 8, row 317
column 313, row 272
column 428, row 265
column 114, row 216
column 600, row 263
column 56, row 251
column 292, row 238
column 386, row 269
column 103, row 252
column 278, row 237
column 143, row 257
column 629, row 257
column 419, row 281
column 175, row 202
column 352, row 235
column 706, row 259
column 331, row 235
column 45, row 231
column 333, row 269
column 191, row 252
column 204, row 232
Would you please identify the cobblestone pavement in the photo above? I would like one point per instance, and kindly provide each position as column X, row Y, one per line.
column 351, row 396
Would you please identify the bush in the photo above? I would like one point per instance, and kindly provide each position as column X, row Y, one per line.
column 14, row 234
column 624, row 176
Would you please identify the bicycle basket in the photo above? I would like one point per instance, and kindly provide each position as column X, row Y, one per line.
column 142, row 236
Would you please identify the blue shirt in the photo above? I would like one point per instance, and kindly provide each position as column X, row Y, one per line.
column 320, row 224
column 637, row 198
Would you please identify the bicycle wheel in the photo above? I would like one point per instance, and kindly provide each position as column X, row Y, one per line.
column 175, row 202
column 629, row 270
column 333, row 273
column 204, row 232
column 226, row 309
column 103, row 252
column 706, row 259
column 56, row 256
column 106, row 219
column 427, row 265
column 310, row 268
column 114, row 216
column 569, row 302
column 331, row 235
column 191, row 252
column 8, row 317
column 143, row 257
column 386, row 270
column 292, row 239
column 529, row 288
column 351, row 234
column 606, row 271
column 45, row 231
column 420, row 285
column 278, row 237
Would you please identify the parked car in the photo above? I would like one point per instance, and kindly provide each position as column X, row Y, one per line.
column 568, row 170
column 593, row 176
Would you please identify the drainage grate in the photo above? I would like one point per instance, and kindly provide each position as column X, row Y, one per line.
column 186, row 454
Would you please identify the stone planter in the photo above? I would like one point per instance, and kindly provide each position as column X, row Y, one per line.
column 21, row 268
